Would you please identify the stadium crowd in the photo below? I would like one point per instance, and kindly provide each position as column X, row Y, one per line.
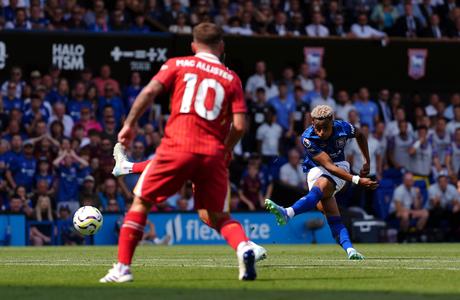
column 57, row 139
column 348, row 18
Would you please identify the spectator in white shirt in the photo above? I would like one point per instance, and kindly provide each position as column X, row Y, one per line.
column 60, row 115
column 344, row 105
column 323, row 98
column 20, row 21
column 443, row 202
column 407, row 204
column 432, row 109
column 16, row 78
column 392, row 128
column 304, row 77
column 256, row 80
column 291, row 173
column 317, row 29
column 363, row 30
column 268, row 137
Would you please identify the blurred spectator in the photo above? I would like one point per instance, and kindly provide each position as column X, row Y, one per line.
column 384, row 15
column 76, row 21
column 291, row 173
column 90, row 14
column 392, row 128
column 268, row 136
column 338, row 28
column 69, row 235
column 344, row 105
column 284, row 106
column 434, row 30
column 59, row 115
column 316, row 28
column 441, row 140
column 257, row 110
column 100, row 25
column 257, row 80
column 279, row 25
column 408, row 25
column 304, row 76
column 87, row 192
column 88, row 122
column 20, row 21
column 363, row 30
column 422, row 155
column 323, row 98
column 181, row 26
column 454, row 101
column 398, row 147
column 139, row 24
column 16, row 80
column 443, row 203
column 10, row 101
column 104, row 80
column 235, row 27
column 22, row 168
column 384, row 106
column 297, row 27
column 57, row 21
column 111, row 99
column 61, row 94
column 407, row 205
column 455, row 122
column 301, row 114
column 250, row 191
column 367, row 109
column 69, row 167
column 150, row 236
column 453, row 157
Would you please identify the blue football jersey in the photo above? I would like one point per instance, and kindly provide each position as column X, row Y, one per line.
column 334, row 146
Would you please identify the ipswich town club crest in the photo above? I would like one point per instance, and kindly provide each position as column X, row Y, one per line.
column 417, row 63
column 340, row 143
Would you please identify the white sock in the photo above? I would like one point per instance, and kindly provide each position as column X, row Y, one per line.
column 126, row 167
column 290, row 212
column 350, row 250
column 242, row 245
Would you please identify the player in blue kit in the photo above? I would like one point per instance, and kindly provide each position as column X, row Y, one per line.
column 327, row 173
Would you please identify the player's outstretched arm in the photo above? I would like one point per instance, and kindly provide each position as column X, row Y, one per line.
column 363, row 146
column 142, row 102
column 324, row 160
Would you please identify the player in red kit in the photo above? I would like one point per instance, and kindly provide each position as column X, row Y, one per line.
column 207, row 120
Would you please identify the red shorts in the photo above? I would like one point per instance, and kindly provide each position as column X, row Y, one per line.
column 168, row 172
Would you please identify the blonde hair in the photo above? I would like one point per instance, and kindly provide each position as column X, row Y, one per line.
column 38, row 208
column 321, row 112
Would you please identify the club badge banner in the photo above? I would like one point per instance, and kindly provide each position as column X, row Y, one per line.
column 417, row 63
column 314, row 58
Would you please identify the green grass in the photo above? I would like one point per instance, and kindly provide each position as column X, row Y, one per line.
column 424, row 271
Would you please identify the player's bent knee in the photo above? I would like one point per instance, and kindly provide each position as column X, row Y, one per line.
column 141, row 205
column 214, row 220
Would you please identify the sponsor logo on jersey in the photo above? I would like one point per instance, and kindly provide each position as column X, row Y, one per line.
column 340, row 142
column 306, row 143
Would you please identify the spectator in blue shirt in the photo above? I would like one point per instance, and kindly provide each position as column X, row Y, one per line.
column 112, row 100
column 139, row 24
column 130, row 93
column 10, row 10
column 22, row 168
column 36, row 112
column 36, row 19
column 20, row 21
column 10, row 101
column 44, row 173
column 367, row 110
column 110, row 192
column 316, row 92
column 68, row 167
column 61, row 94
column 78, row 101
column 284, row 105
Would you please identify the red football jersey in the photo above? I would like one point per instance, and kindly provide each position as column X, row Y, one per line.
column 204, row 95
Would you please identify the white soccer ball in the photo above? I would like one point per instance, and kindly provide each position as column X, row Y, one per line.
column 87, row 220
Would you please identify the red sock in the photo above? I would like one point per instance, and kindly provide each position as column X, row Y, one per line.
column 130, row 234
column 233, row 233
column 140, row 166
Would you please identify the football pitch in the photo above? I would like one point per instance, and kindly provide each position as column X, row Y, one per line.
column 423, row 271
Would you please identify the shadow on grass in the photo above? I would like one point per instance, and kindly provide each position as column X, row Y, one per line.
column 130, row 292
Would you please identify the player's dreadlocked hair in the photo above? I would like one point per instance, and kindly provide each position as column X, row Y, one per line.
column 322, row 112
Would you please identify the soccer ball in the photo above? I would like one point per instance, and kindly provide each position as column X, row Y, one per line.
column 87, row 220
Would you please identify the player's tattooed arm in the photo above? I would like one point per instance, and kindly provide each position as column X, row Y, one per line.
column 362, row 143
column 325, row 160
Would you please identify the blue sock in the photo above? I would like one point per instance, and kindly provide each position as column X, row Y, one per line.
column 339, row 232
column 308, row 202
